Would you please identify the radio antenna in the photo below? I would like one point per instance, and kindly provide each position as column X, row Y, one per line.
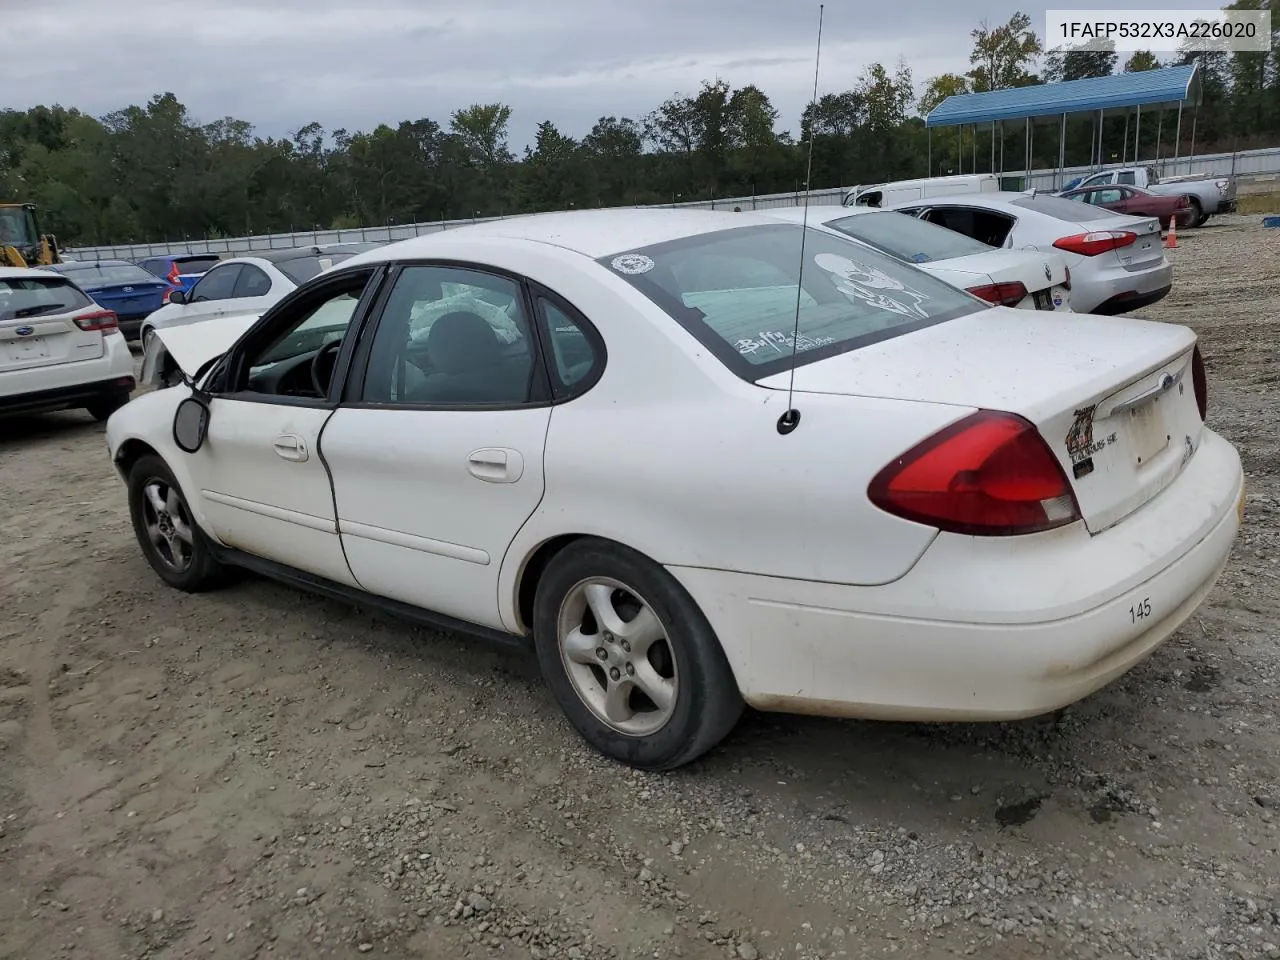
column 791, row 418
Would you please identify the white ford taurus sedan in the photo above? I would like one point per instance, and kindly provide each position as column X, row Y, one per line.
column 694, row 469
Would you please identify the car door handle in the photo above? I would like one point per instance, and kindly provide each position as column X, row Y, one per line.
column 496, row 465
column 290, row 447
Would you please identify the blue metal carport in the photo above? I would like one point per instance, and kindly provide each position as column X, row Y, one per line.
column 1119, row 93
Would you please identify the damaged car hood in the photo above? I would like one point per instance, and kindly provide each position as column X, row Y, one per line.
column 190, row 345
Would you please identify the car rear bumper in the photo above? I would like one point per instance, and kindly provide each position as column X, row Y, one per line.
column 63, row 385
column 984, row 628
column 1114, row 289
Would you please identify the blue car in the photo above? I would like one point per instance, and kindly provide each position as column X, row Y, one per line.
column 182, row 270
column 121, row 287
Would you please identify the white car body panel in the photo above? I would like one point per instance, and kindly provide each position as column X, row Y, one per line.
column 821, row 601
column 1140, row 270
column 978, row 269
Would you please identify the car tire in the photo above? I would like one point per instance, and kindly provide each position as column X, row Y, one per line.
column 1197, row 217
column 696, row 700
column 160, row 532
column 102, row 408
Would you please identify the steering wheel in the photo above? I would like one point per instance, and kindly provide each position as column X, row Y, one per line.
column 317, row 362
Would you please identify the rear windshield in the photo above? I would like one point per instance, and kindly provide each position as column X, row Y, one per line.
column 195, row 264
column 737, row 291
column 38, row 296
column 101, row 274
column 304, row 268
column 904, row 237
column 1062, row 209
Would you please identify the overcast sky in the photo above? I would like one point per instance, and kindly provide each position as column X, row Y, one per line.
column 282, row 63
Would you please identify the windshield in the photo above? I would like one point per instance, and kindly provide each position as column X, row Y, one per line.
column 904, row 237
column 38, row 296
column 103, row 274
column 1062, row 209
column 304, row 268
column 15, row 227
column 736, row 291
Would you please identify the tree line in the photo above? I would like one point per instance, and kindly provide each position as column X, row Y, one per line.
column 153, row 172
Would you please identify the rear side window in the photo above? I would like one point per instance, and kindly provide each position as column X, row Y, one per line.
column 195, row 264
column 1060, row 209
column 39, row 296
column 985, row 226
column 304, row 268
column 907, row 238
column 737, row 292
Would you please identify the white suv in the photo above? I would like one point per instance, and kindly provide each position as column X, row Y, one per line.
column 59, row 349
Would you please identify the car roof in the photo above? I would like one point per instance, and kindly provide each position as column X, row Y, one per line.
column 592, row 233
column 293, row 253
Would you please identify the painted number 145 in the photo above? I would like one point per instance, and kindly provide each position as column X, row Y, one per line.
column 1140, row 610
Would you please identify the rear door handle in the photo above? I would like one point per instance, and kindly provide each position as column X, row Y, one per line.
column 495, row 465
column 290, row 447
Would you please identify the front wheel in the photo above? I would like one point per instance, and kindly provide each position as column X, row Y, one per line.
column 171, row 540
column 630, row 658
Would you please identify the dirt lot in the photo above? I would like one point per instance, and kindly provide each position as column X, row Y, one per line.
column 256, row 773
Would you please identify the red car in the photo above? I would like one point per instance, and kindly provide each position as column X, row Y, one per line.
column 1136, row 201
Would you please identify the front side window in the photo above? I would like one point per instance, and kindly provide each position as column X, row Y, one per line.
column 916, row 241
column 738, row 290
column 299, row 357
column 451, row 336
column 217, row 284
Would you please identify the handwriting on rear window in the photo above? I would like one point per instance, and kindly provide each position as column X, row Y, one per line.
column 779, row 342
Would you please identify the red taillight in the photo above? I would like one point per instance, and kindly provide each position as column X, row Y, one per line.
column 173, row 276
column 1004, row 294
column 1200, row 382
column 1100, row 241
column 991, row 474
column 104, row 320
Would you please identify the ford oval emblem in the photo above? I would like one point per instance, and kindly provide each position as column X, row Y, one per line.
column 25, row 331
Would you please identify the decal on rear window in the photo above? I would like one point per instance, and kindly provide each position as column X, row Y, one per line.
column 632, row 264
column 871, row 285
column 779, row 342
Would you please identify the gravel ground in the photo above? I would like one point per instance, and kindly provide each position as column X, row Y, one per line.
column 258, row 773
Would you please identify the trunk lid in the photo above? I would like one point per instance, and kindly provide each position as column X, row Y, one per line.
column 1112, row 397
column 130, row 299
column 1144, row 252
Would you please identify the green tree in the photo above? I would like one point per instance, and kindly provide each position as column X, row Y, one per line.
column 1077, row 64
column 1142, row 60
column 1001, row 55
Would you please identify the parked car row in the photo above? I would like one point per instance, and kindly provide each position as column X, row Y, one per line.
column 700, row 460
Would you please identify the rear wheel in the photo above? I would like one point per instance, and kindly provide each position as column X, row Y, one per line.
column 1197, row 217
column 172, row 542
column 102, row 408
column 630, row 658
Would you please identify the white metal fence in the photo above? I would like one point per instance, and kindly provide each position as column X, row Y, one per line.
column 1263, row 164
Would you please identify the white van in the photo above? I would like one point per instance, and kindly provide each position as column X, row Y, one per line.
column 904, row 191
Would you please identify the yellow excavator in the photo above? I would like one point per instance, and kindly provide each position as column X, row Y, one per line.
column 21, row 242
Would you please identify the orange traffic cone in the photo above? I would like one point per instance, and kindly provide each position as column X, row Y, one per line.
column 1171, row 240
